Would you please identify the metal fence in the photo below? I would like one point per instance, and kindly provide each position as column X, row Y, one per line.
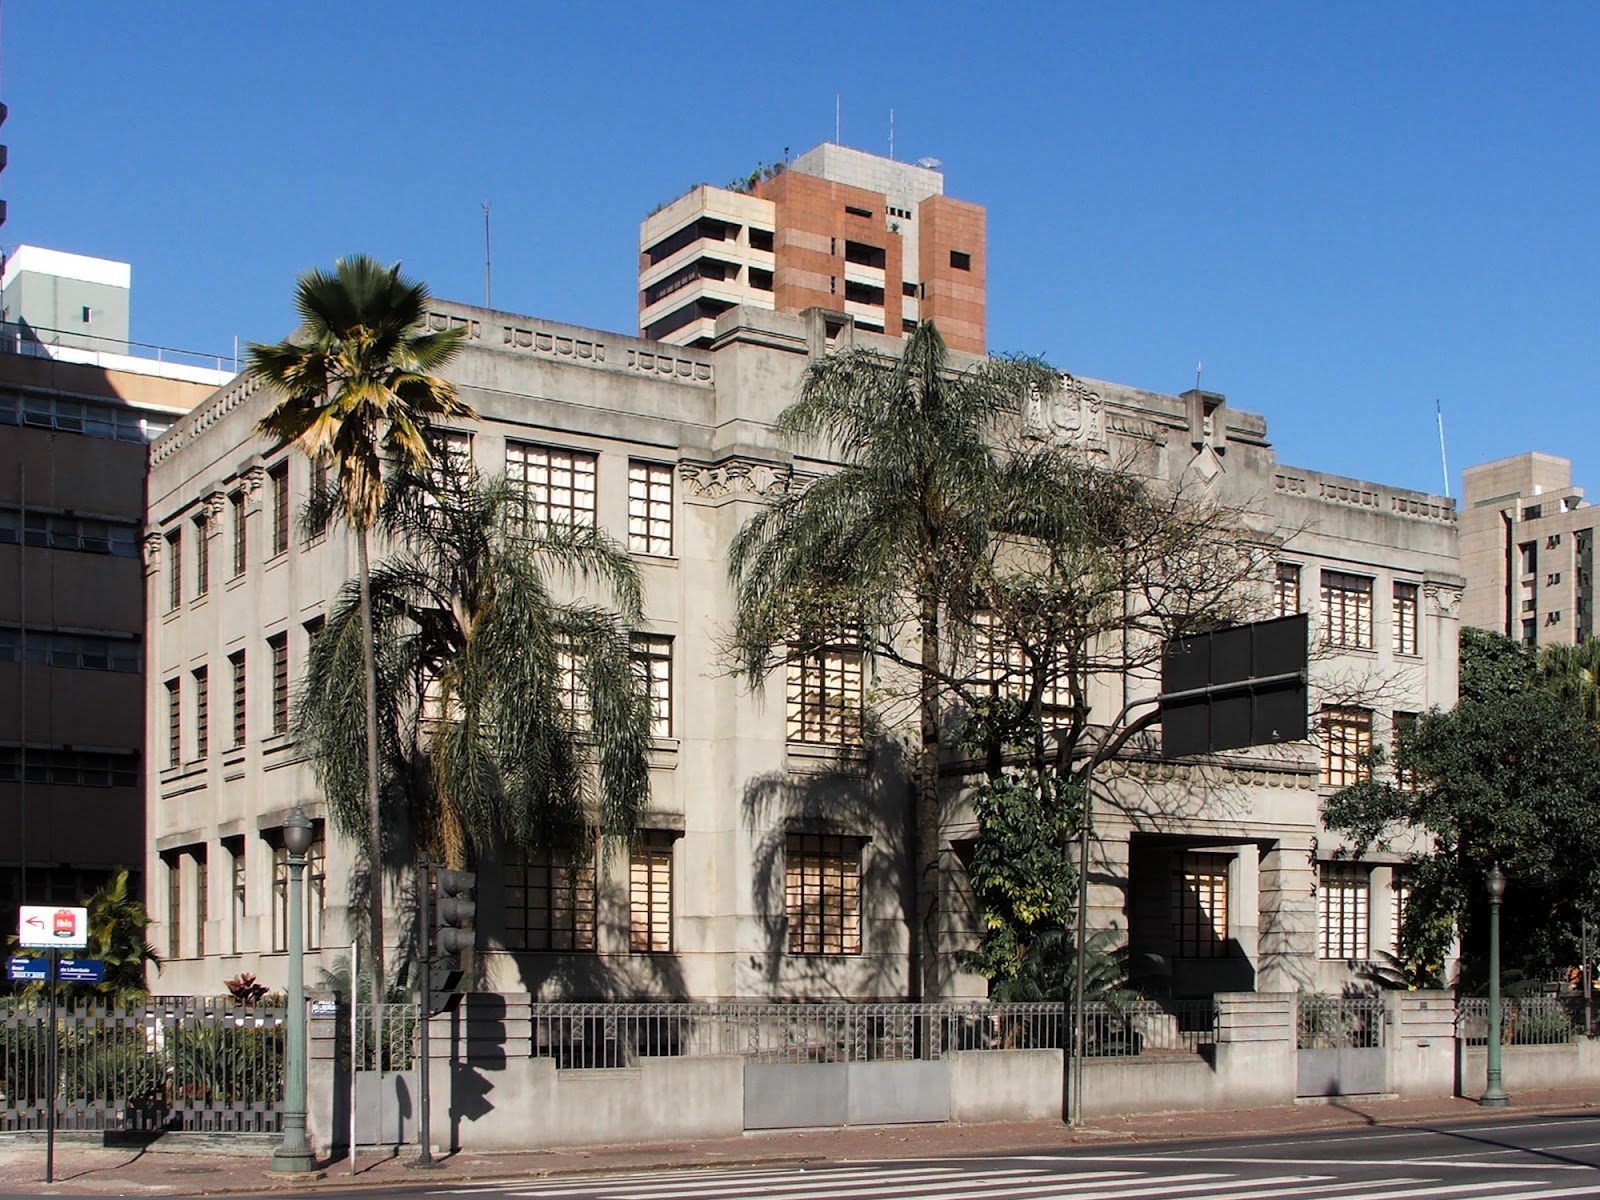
column 1341, row 1022
column 394, row 1032
column 1524, row 1020
column 173, row 1063
column 618, row 1035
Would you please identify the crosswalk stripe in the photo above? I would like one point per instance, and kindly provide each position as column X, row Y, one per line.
column 977, row 1187
column 1203, row 1158
column 559, row 1184
column 687, row 1177
column 811, row 1182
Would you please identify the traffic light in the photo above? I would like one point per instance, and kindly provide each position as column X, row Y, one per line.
column 456, row 911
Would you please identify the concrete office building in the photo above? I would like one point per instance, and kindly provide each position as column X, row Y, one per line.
column 76, row 415
column 837, row 229
column 762, row 820
column 1527, row 550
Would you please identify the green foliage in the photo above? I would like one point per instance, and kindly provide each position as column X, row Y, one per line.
column 117, row 924
column 1542, row 1025
column 1510, row 775
column 482, row 740
column 227, row 1058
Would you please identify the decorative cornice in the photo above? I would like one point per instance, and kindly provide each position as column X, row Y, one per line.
column 734, row 476
column 212, row 507
column 1073, row 417
column 152, row 550
column 1443, row 601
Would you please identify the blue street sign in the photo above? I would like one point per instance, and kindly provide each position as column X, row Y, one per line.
column 81, row 970
column 27, row 970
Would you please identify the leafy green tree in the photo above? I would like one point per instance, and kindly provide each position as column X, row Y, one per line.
column 509, row 714
column 357, row 384
column 1510, row 775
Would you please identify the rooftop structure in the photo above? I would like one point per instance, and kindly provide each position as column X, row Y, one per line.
column 848, row 232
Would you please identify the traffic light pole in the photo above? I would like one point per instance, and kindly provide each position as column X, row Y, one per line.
column 424, row 1080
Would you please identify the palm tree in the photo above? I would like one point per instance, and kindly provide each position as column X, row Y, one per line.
column 896, row 543
column 509, row 715
column 1573, row 674
column 357, row 384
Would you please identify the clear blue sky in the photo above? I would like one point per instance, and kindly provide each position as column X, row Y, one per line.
column 1346, row 211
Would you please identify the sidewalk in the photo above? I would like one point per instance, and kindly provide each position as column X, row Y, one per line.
column 217, row 1164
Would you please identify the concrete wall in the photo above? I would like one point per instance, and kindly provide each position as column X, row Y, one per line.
column 1530, row 1068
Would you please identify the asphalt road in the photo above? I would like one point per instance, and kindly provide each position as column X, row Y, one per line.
column 1530, row 1158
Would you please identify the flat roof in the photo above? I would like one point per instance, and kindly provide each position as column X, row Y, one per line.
column 66, row 266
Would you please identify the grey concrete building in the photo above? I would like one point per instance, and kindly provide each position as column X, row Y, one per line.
column 1527, row 550
column 761, row 819
column 76, row 417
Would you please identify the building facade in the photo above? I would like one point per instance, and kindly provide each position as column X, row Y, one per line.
column 773, row 858
column 76, row 417
column 1527, row 550
column 840, row 230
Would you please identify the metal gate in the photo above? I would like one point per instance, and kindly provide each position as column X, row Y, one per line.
column 1341, row 1042
column 171, row 1063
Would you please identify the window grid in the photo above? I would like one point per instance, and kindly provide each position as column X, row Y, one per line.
column 1346, row 745
column 549, row 901
column 278, row 644
column 1405, row 618
column 87, row 652
column 174, row 905
column 1342, row 899
column 1001, row 663
column 558, row 486
column 236, row 664
column 202, row 712
column 573, row 689
column 174, row 723
column 822, row 893
column 1347, row 610
column 649, row 508
column 650, row 895
column 202, row 559
column 1200, row 905
column 1401, row 726
column 236, row 892
column 202, row 887
column 175, row 570
column 69, row 768
column 241, row 531
column 79, row 416
column 823, row 697
column 652, row 659
column 1286, row 590
column 278, row 478
column 58, row 532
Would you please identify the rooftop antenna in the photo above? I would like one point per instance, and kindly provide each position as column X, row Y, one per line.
column 1198, row 368
column 836, row 141
column 1444, row 461
column 891, row 135
column 486, row 303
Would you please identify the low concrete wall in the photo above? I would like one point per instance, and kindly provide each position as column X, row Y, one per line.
column 1421, row 1054
column 1005, row 1085
column 1531, row 1068
column 1123, row 1086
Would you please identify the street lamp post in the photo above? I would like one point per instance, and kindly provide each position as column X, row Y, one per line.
column 1494, row 1093
column 294, row 1153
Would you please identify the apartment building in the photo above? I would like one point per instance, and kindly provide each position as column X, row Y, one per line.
column 773, row 862
column 78, row 408
column 840, row 230
column 1527, row 550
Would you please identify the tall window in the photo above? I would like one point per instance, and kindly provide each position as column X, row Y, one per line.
column 174, row 863
column 1342, row 910
column 822, row 893
column 174, row 722
column 1347, row 610
column 202, row 712
column 1286, row 590
column 236, row 892
column 649, row 508
column 1400, row 897
column 652, row 659
column 1346, row 745
column 313, row 900
column 1001, row 663
column 320, row 502
column 202, row 558
column 1200, row 905
column 1405, row 618
column 241, row 547
column 175, row 570
column 549, row 901
column 202, row 890
column 236, row 667
column 278, row 478
column 650, row 894
column 572, row 688
column 557, row 485
column 278, row 644
column 823, row 696
column 1401, row 726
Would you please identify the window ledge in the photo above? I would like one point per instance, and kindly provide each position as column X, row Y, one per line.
column 236, row 581
column 665, row 560
column 199, row 601
column 277, row 560
column 277, row 743
column 171, row 615
column 812, row 758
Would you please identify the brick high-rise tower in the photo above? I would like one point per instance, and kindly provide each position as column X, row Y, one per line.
column 837, row 229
